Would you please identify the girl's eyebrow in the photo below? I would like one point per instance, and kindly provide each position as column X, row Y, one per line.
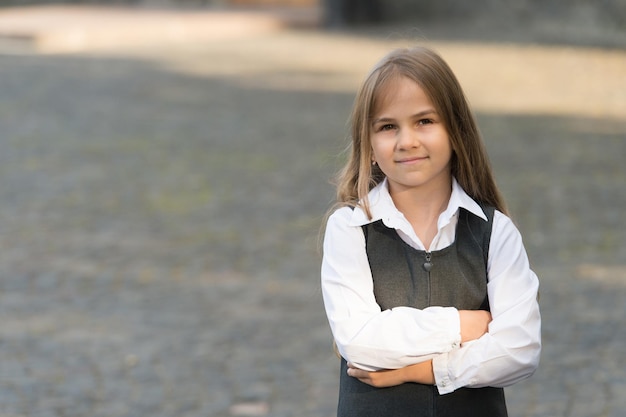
column 425, row 113
column 415, row 116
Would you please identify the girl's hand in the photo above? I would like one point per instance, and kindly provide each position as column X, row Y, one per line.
column 421, row 373
column 474, row 324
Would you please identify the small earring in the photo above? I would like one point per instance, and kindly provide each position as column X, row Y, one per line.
column 374, row 163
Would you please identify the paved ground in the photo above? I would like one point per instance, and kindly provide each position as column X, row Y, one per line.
column 160, row 209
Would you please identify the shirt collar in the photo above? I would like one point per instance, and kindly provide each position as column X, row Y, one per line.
column 460, row 199
column 383, row 208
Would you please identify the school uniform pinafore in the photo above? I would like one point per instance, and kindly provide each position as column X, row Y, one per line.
column 455, row 276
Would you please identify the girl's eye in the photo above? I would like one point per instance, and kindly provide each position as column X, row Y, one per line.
column 386, row 127
column 425, row 122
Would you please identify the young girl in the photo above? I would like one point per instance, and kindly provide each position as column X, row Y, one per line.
column 426, row 282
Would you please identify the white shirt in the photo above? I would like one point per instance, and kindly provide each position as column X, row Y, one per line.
column 372, row 339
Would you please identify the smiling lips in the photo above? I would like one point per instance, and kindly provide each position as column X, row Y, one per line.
column 411, row 160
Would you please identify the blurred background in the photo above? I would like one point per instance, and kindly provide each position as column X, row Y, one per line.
column 165, row 168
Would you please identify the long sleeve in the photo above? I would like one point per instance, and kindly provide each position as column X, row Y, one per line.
column 510, row 351
column 366, row 336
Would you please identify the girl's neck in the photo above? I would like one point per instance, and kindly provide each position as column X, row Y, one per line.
column 422, row 207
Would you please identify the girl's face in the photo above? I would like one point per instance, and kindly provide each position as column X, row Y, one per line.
column 409, row 141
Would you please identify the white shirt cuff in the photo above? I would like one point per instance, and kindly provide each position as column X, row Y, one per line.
column 442, row 377
column 455, row 328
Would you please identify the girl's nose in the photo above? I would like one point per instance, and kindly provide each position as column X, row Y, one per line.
column 407, row 138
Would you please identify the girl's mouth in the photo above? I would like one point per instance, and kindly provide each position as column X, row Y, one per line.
column 411, row 160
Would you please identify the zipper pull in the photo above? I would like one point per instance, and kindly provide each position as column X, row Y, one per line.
column 427, row 265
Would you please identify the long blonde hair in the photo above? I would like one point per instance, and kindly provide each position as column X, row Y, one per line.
column 469, row 164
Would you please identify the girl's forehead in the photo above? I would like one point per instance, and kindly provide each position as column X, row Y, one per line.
column 389, row 88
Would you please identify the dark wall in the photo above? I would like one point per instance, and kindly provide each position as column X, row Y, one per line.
column 584, row 12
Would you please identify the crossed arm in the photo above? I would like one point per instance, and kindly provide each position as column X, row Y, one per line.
column 473, row 325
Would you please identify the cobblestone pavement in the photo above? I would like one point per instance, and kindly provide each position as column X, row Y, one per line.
column 160, row 210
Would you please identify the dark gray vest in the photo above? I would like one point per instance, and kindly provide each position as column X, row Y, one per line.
column 455, row 276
